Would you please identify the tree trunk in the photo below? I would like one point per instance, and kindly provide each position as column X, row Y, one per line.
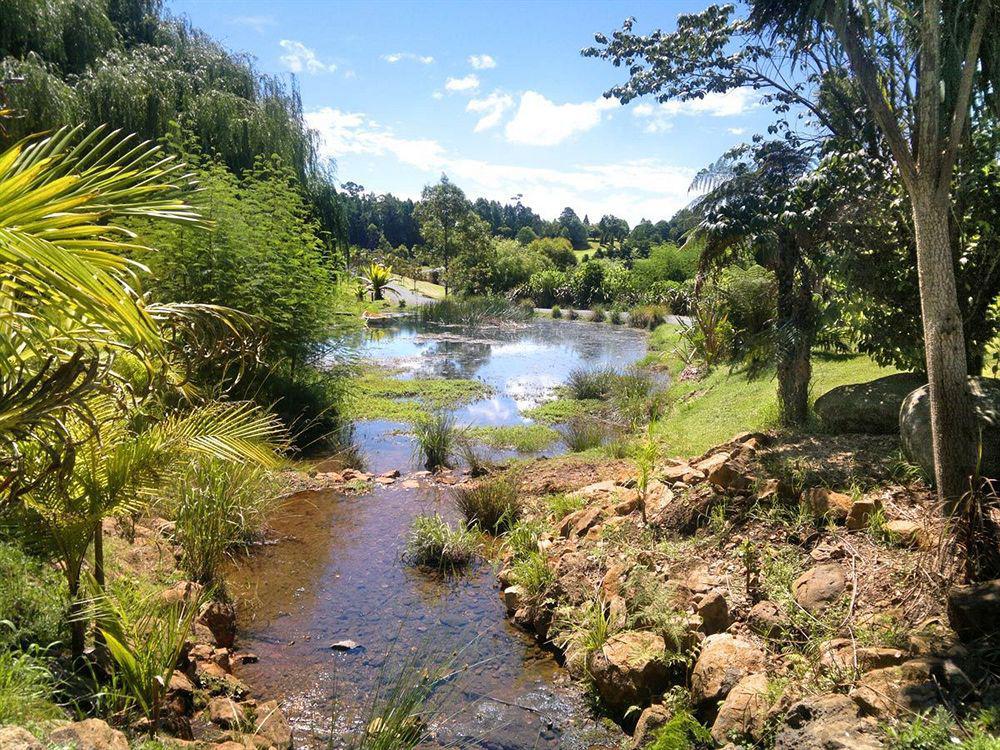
column 794, row 335
column 952, row 426
column 77, row 625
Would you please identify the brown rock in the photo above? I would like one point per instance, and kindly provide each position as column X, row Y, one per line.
column 714, row 613
column 410, row 484
column 729, row 477
column 611, row 583
column 658, row 502
column 273, row 726
column 579, row 522
column 766, row 619
column 974, row 611
column 681, row 473
column 226, row 713
column 904, row 533
column 220, row 618
column 724, row 660
column 652, row 718
column 777, row 490
column 183, row 591
column 391, row 474
column 713, row 462
column 18, row 738
column 513, row 598
column 819, row 587
column 179, row 683
column 861, row 511
column 909, row 688
column 843, row 656
column 89, row 734
column 744, row 710
column 629, row 669
column 825, row 503
column 827, row 722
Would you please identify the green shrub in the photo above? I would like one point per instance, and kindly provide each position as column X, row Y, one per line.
column 32, row 601
column 437, row 437
column 493, row 504
column 681, row 732
column 522, row 539
column 648, row 316
column 583, row 629
column 929, row 731
column 26, row 687
column 591, row 384
column 556, row 311
column 598, row 314
column 583, row 433
column 217, row 506
column 433, row 543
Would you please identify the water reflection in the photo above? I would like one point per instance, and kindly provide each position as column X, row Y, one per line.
column 338, row 571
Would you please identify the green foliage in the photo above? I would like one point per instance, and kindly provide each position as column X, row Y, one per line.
column 32, row 601
column 26, row 689
column 547, row 288
column 681, row 732
column 583, row 629
column 591, row 384
column 493, row 504
column 376, row 394
column 218, row 506
column 433, row 543
column 559, row 506
column 532, row 573
column 377, row 277
column 586, row 283
column 523, row 438
column 666, row 262
column 474, row 311
column 522, row 538
column 930, row 731
column 647, row 316
column 263, row 257
column 556, row 311
column 653, row 606
column 436, row 437
column 582, row 433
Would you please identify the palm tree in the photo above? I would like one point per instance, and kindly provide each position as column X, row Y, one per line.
column 750, row 207
column 377, row 277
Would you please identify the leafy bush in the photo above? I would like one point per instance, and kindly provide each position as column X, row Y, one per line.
column 596, row 384
column 219, row 505
column 586, row 283
column 666, row 262
column 437, row 437
column 583, row 433
column 26, row 688
column 558, row 249
column 32, row 601
column 432, row 542
column 493, row 504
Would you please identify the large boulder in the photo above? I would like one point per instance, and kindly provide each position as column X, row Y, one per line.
column 871, row 408
column 744, row 711
column 724, row 661
column 915, row 426
column 89, row 734
column 819, row 587
column 827, row 722
column 630, row 669
column 18, row 738
column 974, row 611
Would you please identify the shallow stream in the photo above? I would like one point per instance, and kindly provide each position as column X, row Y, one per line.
column 337, row 571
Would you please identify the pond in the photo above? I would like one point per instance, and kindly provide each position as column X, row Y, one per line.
column 337, row 571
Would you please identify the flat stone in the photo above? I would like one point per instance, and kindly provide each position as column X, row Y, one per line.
column 89, row 734
column 844, row 656
column 513, row 598
column 345, row 645
column 579, row 522
column 728, row 476
column 226, row 713
column 410, row 484
column 904, row 533
column 819, row 587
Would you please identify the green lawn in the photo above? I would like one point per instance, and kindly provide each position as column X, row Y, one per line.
column 434, row 291
column 710, row 411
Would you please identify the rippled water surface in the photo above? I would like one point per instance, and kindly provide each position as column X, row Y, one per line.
column 337, row 571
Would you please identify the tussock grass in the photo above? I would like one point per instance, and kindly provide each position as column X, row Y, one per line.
column 437, row 438
column 434, row 543
column 493, row 504
column 474, row 311
column 583, row 433
column 532, row 573
column 584, row 384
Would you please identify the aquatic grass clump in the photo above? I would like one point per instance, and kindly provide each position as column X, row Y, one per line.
column 474, row 311
column 523, row 438
column 648, row 316
column 434, row 543
column 522, row 539
column 556, row 312
column 217, row 506
column 584, row 433
column 437, row 438
column 615, row 316
column 494, row 504
column 591, row 384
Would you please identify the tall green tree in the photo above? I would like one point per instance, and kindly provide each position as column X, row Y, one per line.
column 447, row 221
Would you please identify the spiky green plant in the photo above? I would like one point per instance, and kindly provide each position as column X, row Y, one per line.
column 377, row 278
column 493, row 504
column 432, row 542
column 437, row 438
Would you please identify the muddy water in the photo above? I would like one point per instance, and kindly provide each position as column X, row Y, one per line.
column 337, row 572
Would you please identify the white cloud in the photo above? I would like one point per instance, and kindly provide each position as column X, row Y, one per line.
column 395, row 57
column 541, row 122
column 632, row 189
column 298, row 58
column 257, row 23
column 353, row 133
column 465, row 83
column 659, row 117
column 737, row 131
column 491, row 109
column 437, row 95
column 482, row 62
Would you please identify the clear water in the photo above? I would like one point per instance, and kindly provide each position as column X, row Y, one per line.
column 338, row 574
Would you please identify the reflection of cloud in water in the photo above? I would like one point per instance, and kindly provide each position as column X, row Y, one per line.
column 518, row 348
column 528, row 391
column 491, row 411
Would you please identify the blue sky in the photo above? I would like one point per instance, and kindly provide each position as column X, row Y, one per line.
column 495, row 94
